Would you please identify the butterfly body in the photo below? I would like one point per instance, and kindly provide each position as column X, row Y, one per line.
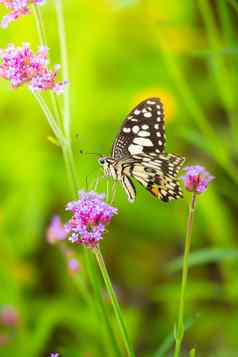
column 138, row 152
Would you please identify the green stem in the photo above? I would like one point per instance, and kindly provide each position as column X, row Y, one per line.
column 43, row 41
column 40, row 26
column 50, row 118
column 179, row 329
column 64, row 61
column 114, row 301
column 100, row 306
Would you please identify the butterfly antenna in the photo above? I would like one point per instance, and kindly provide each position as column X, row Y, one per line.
column 97, row 154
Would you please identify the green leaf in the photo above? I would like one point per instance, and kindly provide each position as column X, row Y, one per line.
column 201, row 257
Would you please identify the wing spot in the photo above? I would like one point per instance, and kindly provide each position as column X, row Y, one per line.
column 135, row 129
column 158, row 134
column 150, row 102
column 137, row 112
column 143, row 142
column 156, row 126
column 144, row 133
column 147, row 115
column 126, row 130
column 158, row 119
column 160, row 142
column 135, row 149
column 156, row 150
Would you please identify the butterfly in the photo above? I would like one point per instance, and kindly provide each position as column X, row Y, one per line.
column 139, row 152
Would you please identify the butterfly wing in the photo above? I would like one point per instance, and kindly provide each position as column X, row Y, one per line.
column 159, row 175
column 142, row 132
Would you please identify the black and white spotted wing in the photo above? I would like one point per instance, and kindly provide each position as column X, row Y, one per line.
column 142, row 132
column 159, row 174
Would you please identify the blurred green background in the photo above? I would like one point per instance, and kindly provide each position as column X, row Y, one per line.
column 120, row 52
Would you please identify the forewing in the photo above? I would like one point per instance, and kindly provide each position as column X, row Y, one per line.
column 142, row 132
column 159, row 175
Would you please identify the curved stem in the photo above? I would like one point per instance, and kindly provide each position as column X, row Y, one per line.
column 114, row 301
column 179, row 329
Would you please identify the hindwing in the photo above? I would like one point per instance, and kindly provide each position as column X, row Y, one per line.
column 159, row 175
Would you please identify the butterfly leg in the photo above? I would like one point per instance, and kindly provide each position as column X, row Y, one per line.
column 129, row 188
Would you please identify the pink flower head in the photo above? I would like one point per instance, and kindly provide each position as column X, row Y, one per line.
column 73, row 265
column 20, row 65
column 56, row 231
column 18, row 8
column 9, row 316
column 196, row 178
column 90, row 215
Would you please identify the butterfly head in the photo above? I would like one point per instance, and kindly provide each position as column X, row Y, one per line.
column 107, row 165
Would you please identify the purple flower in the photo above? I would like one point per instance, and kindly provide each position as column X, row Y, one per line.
column 56, row 231
column 196, row 178
column 54, row 355
column 73, row 265
column 90, row 215
column 17, row 9
column 20, row 65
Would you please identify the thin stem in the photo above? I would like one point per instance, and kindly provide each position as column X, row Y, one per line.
column 50, row 118
column 62, row 141
column 101, row 308
column 114, row 301
column 56, row 108
column 64, row 61
column 40, row 26
column 179, row 329
column 43, row 41
column 70, row 169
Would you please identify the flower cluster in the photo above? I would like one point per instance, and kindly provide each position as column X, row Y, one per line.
column 56, row 231
column 17, row 9
column 19, row 65
column 196, row 178
column 90, row 215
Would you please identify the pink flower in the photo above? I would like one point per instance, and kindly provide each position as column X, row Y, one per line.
column 73, row 265
column 56, row 231
column 90, row 215
column 17, row 9
column 20, row 65
column 9, row 316
column 196, row 178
